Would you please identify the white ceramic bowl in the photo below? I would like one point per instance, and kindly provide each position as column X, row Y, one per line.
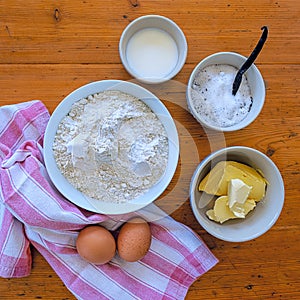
column 153, row 22
column 255, row 81
column 79, row 198
column 266, row 212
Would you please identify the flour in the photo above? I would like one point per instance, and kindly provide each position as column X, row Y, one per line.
column 111, row 147
column 212, row 96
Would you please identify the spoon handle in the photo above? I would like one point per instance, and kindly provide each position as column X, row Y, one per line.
column 249, row 61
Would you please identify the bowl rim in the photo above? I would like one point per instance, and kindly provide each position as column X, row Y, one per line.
column 78, row 198
column 215, row 155
column 180, row 63
column 239, row 125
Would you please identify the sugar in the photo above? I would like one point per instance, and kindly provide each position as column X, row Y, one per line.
column 212, row 96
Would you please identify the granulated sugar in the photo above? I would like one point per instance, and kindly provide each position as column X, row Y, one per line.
column 111, row 147
column 212, row 96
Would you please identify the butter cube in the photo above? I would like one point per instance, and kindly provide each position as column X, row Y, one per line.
column 238, row 193
column 221, row 211
column 217, row 180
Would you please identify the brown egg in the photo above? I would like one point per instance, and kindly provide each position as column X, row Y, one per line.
column 134, row 240
column 96, row 244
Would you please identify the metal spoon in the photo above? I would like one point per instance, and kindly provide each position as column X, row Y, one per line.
column 249, row 61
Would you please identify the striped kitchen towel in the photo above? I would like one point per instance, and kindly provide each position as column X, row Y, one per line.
column 33, row 212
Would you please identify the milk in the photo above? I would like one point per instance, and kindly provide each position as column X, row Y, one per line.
column 152, row 53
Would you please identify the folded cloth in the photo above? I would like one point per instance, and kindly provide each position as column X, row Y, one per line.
column 33, row 212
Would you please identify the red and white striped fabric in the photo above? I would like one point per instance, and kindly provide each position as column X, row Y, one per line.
column 33, row 211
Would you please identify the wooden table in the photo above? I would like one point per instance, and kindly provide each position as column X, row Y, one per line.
column 49, row 48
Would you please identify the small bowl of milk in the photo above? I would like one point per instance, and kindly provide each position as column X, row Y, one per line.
column 153, row 49
column 209, row 93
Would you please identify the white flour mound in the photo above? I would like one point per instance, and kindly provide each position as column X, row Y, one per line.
column 111, row 147
column 212, row 96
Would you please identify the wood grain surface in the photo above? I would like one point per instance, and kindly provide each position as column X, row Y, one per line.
column 49, row 48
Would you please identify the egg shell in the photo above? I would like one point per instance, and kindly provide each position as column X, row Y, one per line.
column 134, row 240
column 96, row 244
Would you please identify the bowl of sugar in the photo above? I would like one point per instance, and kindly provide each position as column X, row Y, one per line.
column 209, row 93
column 153, row 49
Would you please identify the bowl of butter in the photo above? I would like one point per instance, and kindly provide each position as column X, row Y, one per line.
column 237, row 193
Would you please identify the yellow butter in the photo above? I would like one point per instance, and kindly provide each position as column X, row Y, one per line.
column 216, row 181
column 241, row 210
column 221, row 211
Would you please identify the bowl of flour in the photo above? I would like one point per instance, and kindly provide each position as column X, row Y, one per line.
column 111, row 147
column 209, row 93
